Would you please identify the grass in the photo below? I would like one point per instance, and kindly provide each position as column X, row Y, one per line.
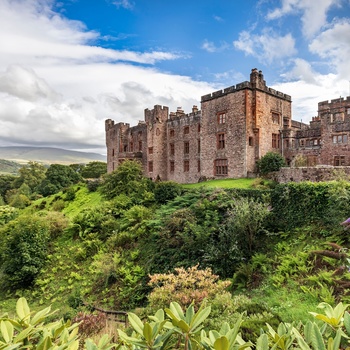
column 224, row 183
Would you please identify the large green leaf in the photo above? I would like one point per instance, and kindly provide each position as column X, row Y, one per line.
column 22, row 309
column 316, row 338
column 136, row 323
column 200, row 317
column 221, row 343
column 6, row 331
column 147, row 332
column 262, row 342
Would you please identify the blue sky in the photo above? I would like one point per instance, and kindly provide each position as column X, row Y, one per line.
column 66, row 66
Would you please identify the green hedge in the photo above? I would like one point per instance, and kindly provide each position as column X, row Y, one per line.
column 297, row 204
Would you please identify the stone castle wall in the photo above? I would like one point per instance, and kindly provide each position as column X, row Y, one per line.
column 233, row 129
column 314, row 174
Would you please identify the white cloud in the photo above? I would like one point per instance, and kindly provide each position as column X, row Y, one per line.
column 302, row 71
column 314, row 13
column 127, row 4
column 209, row 46
column 218, row 18
column 333, row 45
column 306, row 95
column 268, row 46
column 57, row 87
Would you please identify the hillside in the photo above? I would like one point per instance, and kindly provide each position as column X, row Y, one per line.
column 9, row 167
column 48, row 155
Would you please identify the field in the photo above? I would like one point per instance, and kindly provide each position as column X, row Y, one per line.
column 224, row 183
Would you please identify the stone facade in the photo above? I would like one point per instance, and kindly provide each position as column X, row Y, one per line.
column 233, row 129
column 325, row 141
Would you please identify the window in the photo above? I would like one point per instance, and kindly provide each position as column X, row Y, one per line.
column 131, row 146
column 186, row 166
column 150, row 167
column 221, row 167
column 172, row 133
column 199, row 126
column 340, row 138
column 348, row 111
column 221, row 118
column 301, row 143
column 140, row 146
column 251, row 142
column 157, row 132
column 275, row 118
column 186, row 147
column 339, row 160
column 172, row 149
column 199, row 146
column 150, row 150
column 198, row 165
column 221, row 141
column 275, row 140
column 112, row 152
column 186, row 130
column 172, row 166
column 139, row 135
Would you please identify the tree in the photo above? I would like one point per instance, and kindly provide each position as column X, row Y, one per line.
column 94, row 170
column 25, row 250
column 6, row 183
column 58, row 176
column 32, row 174
column 126, row 179
column 271, row 161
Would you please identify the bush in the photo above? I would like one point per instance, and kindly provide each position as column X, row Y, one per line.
column 271, row 161
column 25, row 250
column 185, row 287
column 166, row 191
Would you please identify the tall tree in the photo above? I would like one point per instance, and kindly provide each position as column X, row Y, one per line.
column 31, row 174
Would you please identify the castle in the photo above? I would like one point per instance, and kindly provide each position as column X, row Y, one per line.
column 234, row 128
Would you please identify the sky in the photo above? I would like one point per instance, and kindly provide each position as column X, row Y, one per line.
column 67, row 66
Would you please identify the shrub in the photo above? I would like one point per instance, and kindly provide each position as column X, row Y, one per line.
column 25, row 250
column 271, row 161
column 185, row 286
column 166, row 190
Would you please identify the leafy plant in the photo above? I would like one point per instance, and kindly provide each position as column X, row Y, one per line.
column 32, row 331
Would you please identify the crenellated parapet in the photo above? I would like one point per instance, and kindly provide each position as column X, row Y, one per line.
column 242, row 86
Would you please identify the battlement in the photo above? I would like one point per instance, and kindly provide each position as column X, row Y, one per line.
column 334, row 101
column 181, row 114
column 241, row 86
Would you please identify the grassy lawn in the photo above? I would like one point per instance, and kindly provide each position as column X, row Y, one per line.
column 224, row 183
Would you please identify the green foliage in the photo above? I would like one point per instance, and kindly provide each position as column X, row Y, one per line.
column 24, row 250
column 126, row 179
column 271, row 161
column 117, row 280
column 20, row 201
column 33, row 331
column 7, row 213
column 94, row 170
column 32, row 174
column 6, row 183
column 166, row 191
column 61, row 176
column 304, row 203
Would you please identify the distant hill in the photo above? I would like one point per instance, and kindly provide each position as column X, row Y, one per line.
column 48, row 155
column 9, row 167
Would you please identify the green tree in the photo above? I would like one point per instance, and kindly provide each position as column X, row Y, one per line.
column 32, row 174
column 58, row 176
column 94, row 170
column 25, row 250
column 6, row 184
column 271, row 161
column 166, row 191
column 126, row 179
